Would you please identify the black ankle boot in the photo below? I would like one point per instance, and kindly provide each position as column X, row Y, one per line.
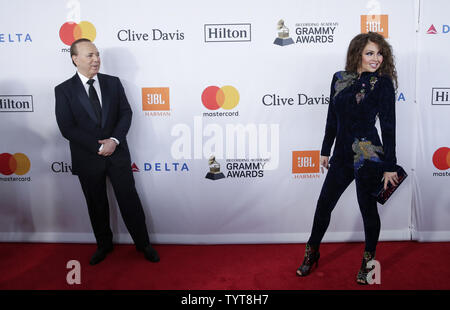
column 312, row 256
column 361, row 278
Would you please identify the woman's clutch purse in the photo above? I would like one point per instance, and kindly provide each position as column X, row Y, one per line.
column 381, row 194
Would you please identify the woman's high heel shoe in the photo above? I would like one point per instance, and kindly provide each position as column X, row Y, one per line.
column 312, row 256
column 361, row 278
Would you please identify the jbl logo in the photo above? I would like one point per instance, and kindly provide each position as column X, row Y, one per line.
column 375, row 23
column 305, row 161
column 155, row 99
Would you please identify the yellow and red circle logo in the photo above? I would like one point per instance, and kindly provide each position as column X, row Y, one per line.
column 441, row 158
column 226, row 97
column 71, row 31
column 17, row 163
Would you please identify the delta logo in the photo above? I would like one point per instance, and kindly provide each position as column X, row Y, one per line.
column 441, row 160
column 156, row 101
column 375, row 23
column 162, row 167
column 18, row 164
column 215, row 98
column 306, row 164
column 71, row 31
column 432, row 29
column 134, row 168
column 15, row 38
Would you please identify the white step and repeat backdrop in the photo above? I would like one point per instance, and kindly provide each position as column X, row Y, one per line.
column 431, row 195
column 265, row 130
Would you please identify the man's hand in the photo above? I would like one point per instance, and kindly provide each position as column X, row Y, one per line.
column 109, row 146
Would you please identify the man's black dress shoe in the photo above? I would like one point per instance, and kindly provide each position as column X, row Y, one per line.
column 100, row 255
column 150, row 254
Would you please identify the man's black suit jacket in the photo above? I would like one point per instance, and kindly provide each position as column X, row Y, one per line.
column 78, row 124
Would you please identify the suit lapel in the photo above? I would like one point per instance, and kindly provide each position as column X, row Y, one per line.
column 83, row 97
column 106, row 91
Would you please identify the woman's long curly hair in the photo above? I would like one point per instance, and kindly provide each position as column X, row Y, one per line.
column 356, row 47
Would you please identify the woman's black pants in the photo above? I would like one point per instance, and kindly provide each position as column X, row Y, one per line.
column 337, row 180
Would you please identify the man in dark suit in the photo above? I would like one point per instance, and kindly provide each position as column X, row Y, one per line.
column 93, row 113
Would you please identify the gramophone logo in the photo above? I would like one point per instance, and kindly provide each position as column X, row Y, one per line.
column 214, row 169
column 283, row 38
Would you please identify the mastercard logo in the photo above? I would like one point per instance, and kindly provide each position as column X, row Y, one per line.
column 441, row 158
column 71, row 31
column 226, row 97
column 18, row 163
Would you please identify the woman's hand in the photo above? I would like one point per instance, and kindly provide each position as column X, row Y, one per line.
column 390, row 177
column 324, row 161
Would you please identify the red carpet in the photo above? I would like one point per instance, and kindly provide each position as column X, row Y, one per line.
column 404, row 266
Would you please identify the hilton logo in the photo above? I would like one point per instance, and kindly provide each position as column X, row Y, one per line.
column 228, row 33
column 16, row 103
column 440, row 96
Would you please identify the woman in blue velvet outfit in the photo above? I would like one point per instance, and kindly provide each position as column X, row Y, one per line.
column 359, row 95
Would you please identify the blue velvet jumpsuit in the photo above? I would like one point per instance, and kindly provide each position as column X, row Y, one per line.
column 355, row 103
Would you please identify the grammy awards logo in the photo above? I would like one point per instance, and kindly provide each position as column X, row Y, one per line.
column 214, row 169
column 283, row 38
